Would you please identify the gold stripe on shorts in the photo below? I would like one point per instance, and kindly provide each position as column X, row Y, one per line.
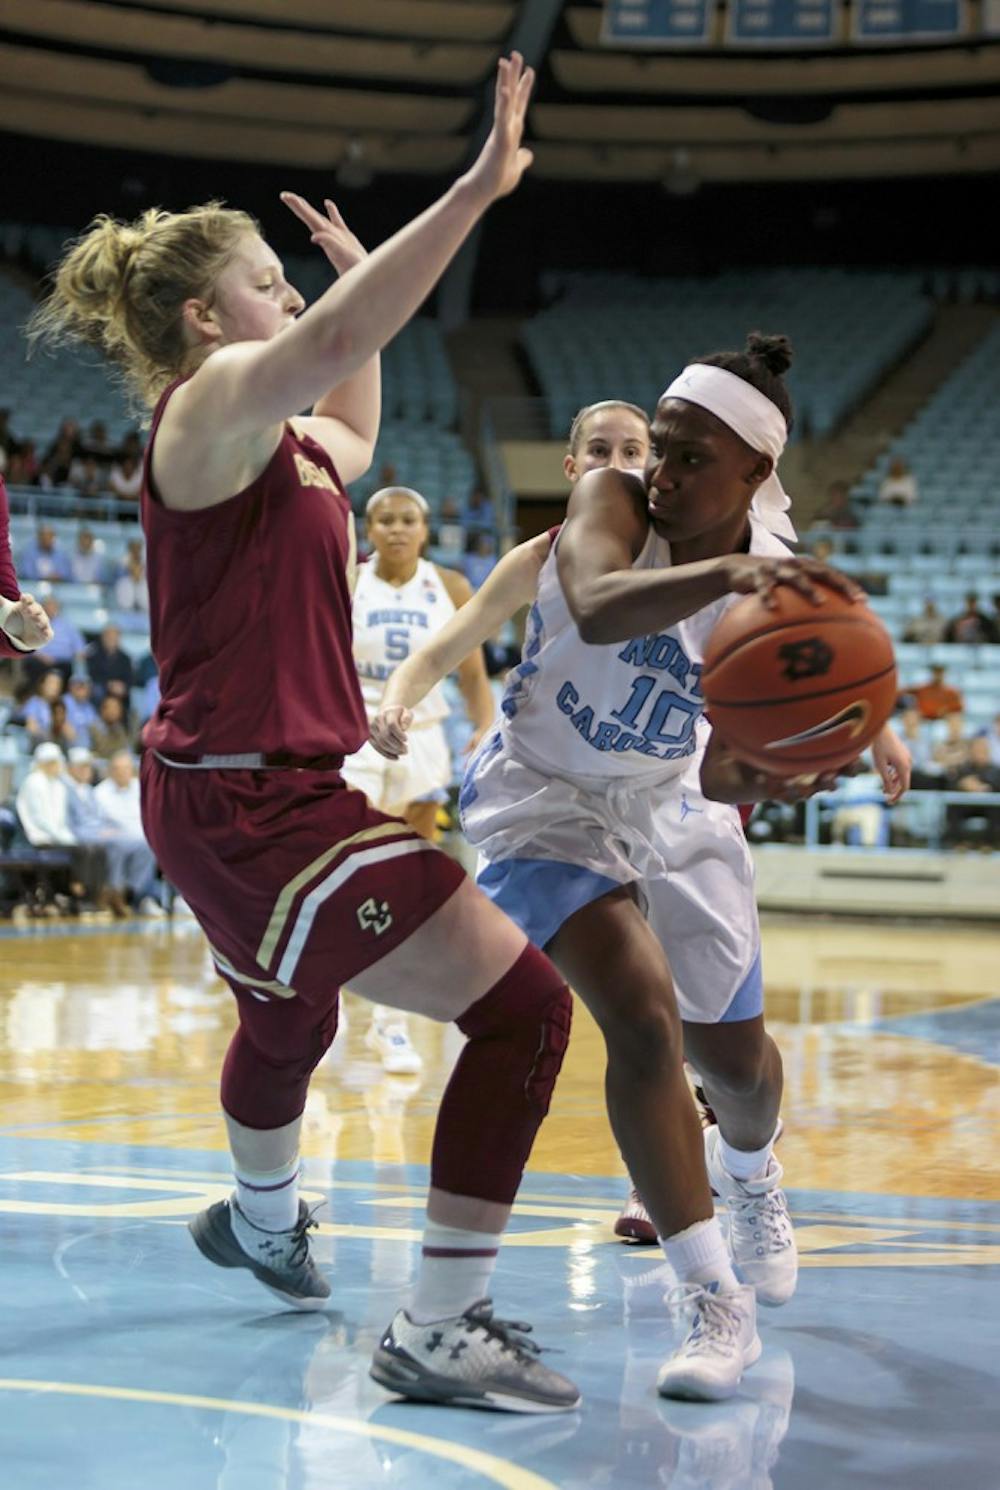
column 283, row 904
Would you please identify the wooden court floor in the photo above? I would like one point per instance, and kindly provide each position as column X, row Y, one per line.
column 128, row 1361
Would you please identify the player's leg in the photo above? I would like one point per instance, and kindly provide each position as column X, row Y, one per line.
column 263, row 1226
column 741, row 1071
column 477, row 968
column 617, row 966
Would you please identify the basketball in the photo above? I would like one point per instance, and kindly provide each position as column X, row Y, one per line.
column 798, row 688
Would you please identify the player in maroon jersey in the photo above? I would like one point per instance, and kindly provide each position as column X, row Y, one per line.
column 24, row 626
column 299, row 885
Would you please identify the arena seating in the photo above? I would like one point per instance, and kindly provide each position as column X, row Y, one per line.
column 609, row 331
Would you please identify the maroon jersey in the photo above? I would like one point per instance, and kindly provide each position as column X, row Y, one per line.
column 8, row 579
column 250, row 613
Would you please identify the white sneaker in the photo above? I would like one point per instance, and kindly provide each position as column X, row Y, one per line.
column 391, row 1041
column 723, row 1341
column 473, row 1360
column 634, row 1224
column 761, row 1239
column 152, row 908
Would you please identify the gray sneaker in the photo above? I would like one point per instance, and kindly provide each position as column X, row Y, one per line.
column 284, row 1265
column 473, row 1360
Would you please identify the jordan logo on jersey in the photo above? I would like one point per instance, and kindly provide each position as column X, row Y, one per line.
column 374, row 915
column 312, row 475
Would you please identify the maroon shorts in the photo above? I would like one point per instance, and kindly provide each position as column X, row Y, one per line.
column 297, row 882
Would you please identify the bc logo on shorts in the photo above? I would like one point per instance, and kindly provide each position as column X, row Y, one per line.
column 374, row 915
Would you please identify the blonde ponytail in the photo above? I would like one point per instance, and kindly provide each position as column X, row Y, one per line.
column 121, row 287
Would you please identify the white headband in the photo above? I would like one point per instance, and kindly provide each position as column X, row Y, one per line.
column 397, row 491
column 751, row 415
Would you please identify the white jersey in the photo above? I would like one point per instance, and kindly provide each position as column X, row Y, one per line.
column 392, row 621
column 626, row 709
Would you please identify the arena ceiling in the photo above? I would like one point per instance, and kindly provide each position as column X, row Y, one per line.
column 370, row 87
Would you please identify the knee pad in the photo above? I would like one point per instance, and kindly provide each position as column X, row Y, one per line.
column 531, row 1009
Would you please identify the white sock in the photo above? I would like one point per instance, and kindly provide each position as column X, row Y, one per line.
column 270, row 1200
column 698, row 1255
column 455, row 1271
column 745, row 1164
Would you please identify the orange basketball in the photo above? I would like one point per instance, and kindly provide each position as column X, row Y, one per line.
column 799, row 688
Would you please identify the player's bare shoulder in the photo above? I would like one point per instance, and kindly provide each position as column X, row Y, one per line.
column 456, row 585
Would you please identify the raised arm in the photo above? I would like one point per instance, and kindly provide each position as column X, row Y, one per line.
column 345, row 420
column 509, row 586
column 248, row 387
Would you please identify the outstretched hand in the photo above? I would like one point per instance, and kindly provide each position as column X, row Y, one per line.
column 893, row 763
column 330, row 233
column 503, row 160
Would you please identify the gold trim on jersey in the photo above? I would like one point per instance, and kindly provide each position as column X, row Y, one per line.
column 283, row 904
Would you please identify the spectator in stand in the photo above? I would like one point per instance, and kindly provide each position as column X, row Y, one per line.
column 80, row 710
column 100, row 816
column 899, row 488
column 928, row 627
column 37, row 712
column 118, row 798
column 131, row 445
column 90, row 827
column 23, row 466
column 58, row 459
column 837, row 511
column 110, row 734
column 87, row 563
column 973, row 626
column 44, row 559
column 937, row 699
column 450, row 533
column 995, row 618
column 952, row 751
column 43, row 810
column 478, row 510
column 915, row 733
column 96, row 444
column 131, row 592
column 8, row 440
column 976, row 773
column 61, row 732
column 480, row 559
column 63, row 650
column 110, row 667
column 88, row 477
column 125, row 478
column 146, row 678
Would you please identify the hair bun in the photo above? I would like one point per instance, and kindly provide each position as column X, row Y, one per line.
column 775, row 352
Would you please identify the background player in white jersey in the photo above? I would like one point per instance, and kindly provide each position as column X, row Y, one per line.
column 400, row 600
column 579, row 803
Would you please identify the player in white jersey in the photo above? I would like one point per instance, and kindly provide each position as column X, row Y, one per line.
column 400, row 600
column 578, row 803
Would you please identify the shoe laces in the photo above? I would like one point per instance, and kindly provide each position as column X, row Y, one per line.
column 299, row 1254
column 715, row 1322
column 765, row 1214
column 510, row 1334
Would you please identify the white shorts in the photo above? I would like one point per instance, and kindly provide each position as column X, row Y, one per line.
column 549, row 846
column 422, row 775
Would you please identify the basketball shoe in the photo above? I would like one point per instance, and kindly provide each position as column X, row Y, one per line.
column 280, row 1260
column 722, row 1342
column 388, row 1036
column 634, row 1224
column 472, row 1360
column 761, row 1239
